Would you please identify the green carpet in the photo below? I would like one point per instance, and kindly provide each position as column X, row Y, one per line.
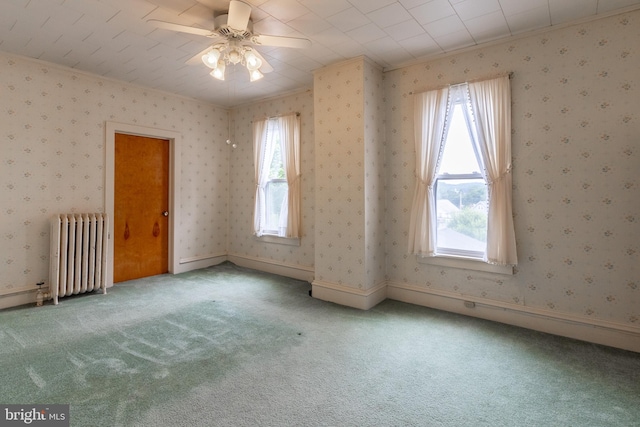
column 227, row 346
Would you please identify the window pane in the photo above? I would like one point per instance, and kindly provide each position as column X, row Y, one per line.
column 275, row 194
column 276, row 188
column 276, row 169
column 461, row 207
column 458, row 156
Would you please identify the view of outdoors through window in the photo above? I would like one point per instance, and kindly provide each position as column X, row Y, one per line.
column 461, row 193
column 276, row 188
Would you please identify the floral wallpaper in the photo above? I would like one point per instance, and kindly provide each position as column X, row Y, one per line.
column 242, row 243
column 576, row 131
column 52, row 136
column 576, row 163
column 340, row 240
column 374, row 155
column 349, row 162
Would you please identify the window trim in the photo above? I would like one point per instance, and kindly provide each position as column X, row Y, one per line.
column 271, row 238
column 465, row 263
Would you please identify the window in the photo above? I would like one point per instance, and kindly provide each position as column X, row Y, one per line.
column 277, row 169
column 276, row 188
column 462, row 201
column 460, row 188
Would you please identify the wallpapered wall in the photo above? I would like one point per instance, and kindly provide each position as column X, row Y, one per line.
column 341, row 236
column 53, row 159
column 374, row 160
column 349, row 114
column 242, row 243
column 576, row 148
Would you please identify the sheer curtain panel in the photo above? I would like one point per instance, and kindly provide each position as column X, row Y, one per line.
column 491, row 106
column 262, row 156
column 290, row 137
column 430, row 109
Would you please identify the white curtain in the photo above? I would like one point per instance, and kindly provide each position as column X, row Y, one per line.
column 290, row 138
column 430, row 110
column 491, row 106
column 262, row 157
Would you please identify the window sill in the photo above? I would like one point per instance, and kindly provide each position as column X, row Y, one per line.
column 465, row 263
column 267, row 238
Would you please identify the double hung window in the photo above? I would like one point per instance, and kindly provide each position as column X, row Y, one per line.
column 462, row 201
column 277, row 176
column 460, row 187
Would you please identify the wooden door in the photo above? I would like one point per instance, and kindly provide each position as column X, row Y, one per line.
column 141, row 205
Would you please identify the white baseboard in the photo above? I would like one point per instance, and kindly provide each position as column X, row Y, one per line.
column 352, row 297
column 299, row 272
column 19, row 298
column 582, row 328
column 196, row 263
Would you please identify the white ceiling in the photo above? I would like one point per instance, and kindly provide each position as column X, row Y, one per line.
column 111, row 38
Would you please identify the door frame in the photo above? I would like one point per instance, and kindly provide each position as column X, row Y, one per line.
column 111, row 129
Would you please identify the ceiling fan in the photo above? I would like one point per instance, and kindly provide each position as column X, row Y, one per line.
column 233, row 32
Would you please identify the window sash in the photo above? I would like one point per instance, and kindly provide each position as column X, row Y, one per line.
column 462, row 253
column 459, row 101
column 270, row 226
column 454, row 176
column 452, row 251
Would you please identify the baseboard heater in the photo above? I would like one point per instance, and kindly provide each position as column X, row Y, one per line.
column 78, row 257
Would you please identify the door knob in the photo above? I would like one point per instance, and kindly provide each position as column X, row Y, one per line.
column 165, row 213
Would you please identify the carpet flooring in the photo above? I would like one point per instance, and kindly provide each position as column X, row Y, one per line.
column 229, row 346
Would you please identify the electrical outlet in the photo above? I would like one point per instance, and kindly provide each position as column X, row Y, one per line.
column 469, row 304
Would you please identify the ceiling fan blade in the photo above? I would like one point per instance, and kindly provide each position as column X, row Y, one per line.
column 279, row 41
column 265, row 67
column 182, row 28
column 239, row 14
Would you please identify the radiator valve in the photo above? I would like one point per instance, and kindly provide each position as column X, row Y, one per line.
column 39, row 295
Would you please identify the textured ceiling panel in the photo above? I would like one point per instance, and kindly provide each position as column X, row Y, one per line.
column 112, row 38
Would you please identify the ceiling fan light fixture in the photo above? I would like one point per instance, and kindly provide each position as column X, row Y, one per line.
column 218, row 72
column 234, row 34
column 252, row 60
column 234, row 55
column 211, row 58
column 255, row 75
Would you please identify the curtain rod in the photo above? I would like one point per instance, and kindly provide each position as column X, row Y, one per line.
column 510, row 74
